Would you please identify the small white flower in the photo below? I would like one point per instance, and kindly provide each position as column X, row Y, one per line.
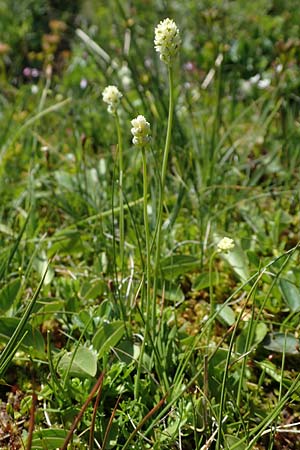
column 125, row 76
column 34, row 89
column 255, row 79
column 225, row 244
column 111, row 95
column 264, row 83
column 167, row 40
column 83, row 83
column 140, row 131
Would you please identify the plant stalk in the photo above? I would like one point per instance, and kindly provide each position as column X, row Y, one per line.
column 148, row 273
column 161, row 196
column 121, row 201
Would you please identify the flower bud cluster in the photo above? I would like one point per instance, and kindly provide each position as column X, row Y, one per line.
column 112, row 96
column 140, row 131
column 225, row 244
column 167, row 40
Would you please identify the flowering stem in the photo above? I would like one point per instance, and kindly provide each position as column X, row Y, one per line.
column 121, row 202
column 161, row 196
column 148, row 273
column 211, row 291
column 211, row 295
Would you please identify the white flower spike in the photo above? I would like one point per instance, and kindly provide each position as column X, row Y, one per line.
column 140, row 131
column 225, row 244
column 112, row 96
column 167, row 40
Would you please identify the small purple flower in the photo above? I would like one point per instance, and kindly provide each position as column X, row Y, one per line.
column 189, row 66
column 27, row 72
column 35, row 73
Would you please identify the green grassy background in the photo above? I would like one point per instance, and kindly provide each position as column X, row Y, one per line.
column 224, row 382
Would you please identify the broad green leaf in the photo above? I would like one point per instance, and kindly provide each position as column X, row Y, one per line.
column 238, row 260
column 40, row 264
column 232, row 440
column 226, row 315
column 127, row 351
column 33, row 341
column 291, row 294
column 8, row 294
column 107, row 337
column 50, row 439
column 282, row 343
column 66, row 242
column 202, row 281
column 47, row 305
column 6, row 230
column 84, row 321
column 253, row 258
column 105, row 310
column 65, row 179
column 83, row 363
column 261, row 330
column 46, row 311
column 92, row 289
column 176, row 265
column 258, row 333
column 172, row 293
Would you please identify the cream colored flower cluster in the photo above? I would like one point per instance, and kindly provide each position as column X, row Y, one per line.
column 112, row 96
column 140, row 131
column 167, row 40
column 225, row 244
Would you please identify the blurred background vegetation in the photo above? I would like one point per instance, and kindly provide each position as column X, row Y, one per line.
column 237, row 111
column 234, row 170
column 254, row 34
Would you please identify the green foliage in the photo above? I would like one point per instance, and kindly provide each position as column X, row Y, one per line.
column 217, row 365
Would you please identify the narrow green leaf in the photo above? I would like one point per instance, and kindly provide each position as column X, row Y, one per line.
column 19, row 331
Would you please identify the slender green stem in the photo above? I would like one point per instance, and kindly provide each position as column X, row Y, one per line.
column 226, row 369
column 248, row 343
column 211, row 290
column 161, row 196
column 216, row 124
column 211, row 296
column 121, row 202
column 148, row 273
column 148, row 243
